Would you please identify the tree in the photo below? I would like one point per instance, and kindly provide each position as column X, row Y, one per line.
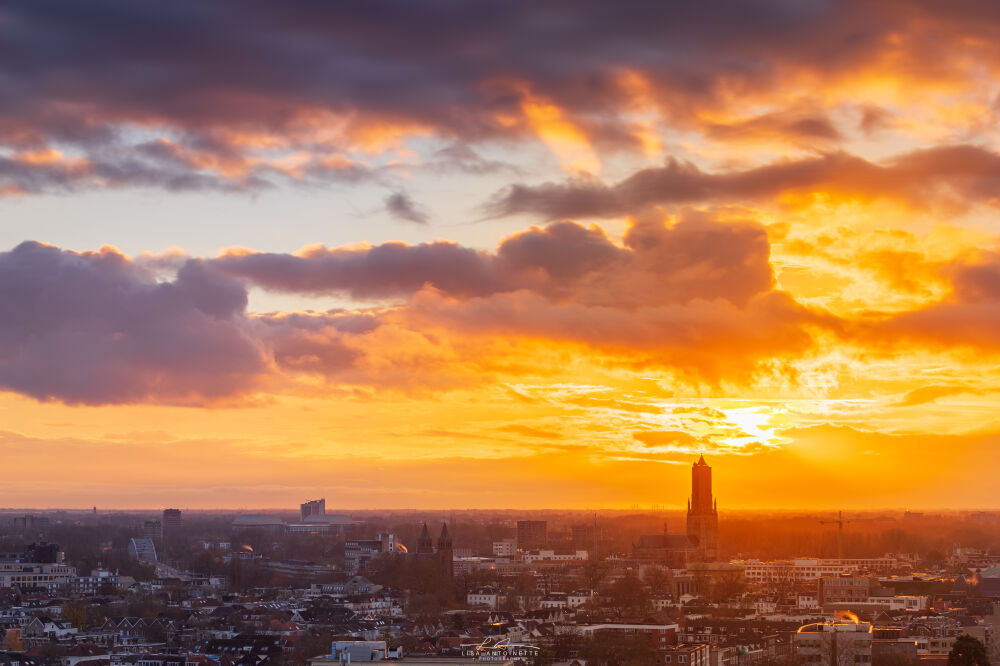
column 75, row 612
column 629, row 594
column 729, row 584
column 13, row 640
column 594, row 573
column 968, row 651
column 424, row 607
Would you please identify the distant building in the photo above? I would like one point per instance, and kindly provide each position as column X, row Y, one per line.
column 143, row 549
column 172, row 519
column 324, row 523
column 837, row 643
column 30, row 523
column 316, row 522
column 425, row 545
column 445, row 553
column 532, row 534
column 98, row 580
column 484, row 597
column 555, row 556
column 684, row 654
column 32, row 575
column 350, row 651
column 702, row 514
column 844, row 590
column 673, row 550
column 812, row 568
column 38, row 553
column 249, row 522
column 359, row 552
column 312, row 508
column 505, row 548
column 152, row 529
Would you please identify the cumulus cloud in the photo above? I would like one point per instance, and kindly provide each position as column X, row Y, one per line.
column 659, row 262
column 95, row 328
column 956, row 175
column 694, row 294
column 968, row 317
column 252, row 89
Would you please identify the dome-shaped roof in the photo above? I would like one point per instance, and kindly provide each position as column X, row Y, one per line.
column 330, row 519
column 249, row 519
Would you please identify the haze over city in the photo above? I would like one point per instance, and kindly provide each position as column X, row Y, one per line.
column 500, row 255
column 499, row 333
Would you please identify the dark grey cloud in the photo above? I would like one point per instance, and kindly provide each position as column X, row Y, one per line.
column 694, row 257
column 96, row 328
column 955, row 174
column 205, row 74
column 402, row 207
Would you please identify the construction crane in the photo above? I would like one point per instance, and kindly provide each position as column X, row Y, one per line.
column 839, row 522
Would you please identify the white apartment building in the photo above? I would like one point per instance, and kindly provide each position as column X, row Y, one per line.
column 30, row 574
column 484, row 597
column 811, row 568
column 546, row 556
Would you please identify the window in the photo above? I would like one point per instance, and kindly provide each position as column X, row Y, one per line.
column 666, row 659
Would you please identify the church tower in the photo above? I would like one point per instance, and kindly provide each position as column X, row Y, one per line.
column 445, row 555
column 425, row 545
column 702, row 515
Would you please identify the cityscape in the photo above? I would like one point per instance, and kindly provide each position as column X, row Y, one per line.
column 551, row 333
column 321, row 588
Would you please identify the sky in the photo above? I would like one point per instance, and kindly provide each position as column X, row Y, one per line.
column 499, row 254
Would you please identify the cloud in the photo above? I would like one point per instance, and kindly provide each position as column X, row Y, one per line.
column 693, row 294
column 402, row 207
column 668, row 438
column 528, row 431
column 954, row 175
column 661, row 262
column 926, row 394
column 381, row 271
column 297, row 91
column 95, row 328
column 966, row 318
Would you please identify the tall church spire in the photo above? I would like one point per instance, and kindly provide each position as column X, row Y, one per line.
column 425, row 546
column 702, row 514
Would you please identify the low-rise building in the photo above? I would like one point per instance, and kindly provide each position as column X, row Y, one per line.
column 837, row 643
column 685, row 654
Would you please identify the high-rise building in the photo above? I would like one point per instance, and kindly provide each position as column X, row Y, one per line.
column 152, row 529
column 532, row 534
column 702, row 514
column 312, row 508
column 172, row 519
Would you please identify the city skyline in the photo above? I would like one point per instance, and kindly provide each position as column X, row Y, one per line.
column 499, row 256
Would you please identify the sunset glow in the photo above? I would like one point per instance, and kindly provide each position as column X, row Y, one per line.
column 504, row 255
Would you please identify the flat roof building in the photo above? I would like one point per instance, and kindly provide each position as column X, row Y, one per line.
column 836, row 643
